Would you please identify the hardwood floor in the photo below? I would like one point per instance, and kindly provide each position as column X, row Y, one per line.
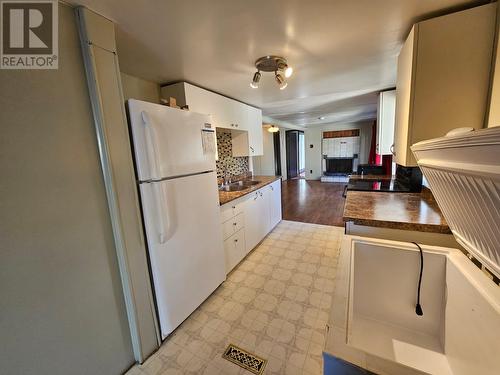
column 313, row 201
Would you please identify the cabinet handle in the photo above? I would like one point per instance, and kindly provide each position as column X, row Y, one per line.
column 260, row 193
column 256, row 196
column 271, row 187
column 235, row 240
column 392, row 150
column 233, row 207
column 236, row 125
column 234, row 224
column 251, row 148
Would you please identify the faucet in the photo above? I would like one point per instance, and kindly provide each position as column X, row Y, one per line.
column 226, row 180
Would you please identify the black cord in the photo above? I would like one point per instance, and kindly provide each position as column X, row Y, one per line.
column 418, row 308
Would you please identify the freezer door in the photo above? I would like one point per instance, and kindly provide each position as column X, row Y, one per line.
column 185, row 244
column 170, row 142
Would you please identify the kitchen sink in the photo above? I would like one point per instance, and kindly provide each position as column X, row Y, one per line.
column 250, row 182
column 239, row 186
column 233, row 187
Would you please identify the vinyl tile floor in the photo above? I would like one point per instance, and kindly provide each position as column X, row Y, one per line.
column 275, row 304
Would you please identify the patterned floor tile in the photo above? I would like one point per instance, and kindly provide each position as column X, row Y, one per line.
column 275, row 303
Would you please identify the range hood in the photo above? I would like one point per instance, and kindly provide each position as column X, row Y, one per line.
column 463, row 172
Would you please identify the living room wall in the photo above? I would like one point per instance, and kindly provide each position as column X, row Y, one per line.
column 313, row 136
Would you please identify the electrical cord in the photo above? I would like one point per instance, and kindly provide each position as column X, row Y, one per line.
column 418, row 308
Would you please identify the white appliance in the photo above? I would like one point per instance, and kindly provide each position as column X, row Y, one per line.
column 175, row 161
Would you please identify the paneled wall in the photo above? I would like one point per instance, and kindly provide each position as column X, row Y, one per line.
column 138, row 88
column 62, row 309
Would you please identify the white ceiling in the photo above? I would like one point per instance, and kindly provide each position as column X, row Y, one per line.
column 343, row 52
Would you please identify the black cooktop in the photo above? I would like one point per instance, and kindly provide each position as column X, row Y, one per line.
column 386, row 185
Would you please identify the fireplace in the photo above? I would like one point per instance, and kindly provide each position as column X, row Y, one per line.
column 338, row 166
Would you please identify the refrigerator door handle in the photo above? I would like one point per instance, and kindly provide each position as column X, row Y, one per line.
column 161, row 208
column 151, row 146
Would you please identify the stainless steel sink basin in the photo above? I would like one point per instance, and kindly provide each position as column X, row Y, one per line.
column 233, row 187
column 250, row 182
column 239, row 186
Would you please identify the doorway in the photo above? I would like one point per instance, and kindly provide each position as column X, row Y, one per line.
column 277, row 154
column 295, row 154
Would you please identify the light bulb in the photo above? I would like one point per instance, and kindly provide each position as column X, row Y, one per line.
column 288, row 72
column 255, row 82
column 280, row 80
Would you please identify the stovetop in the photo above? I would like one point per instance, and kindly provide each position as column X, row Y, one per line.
column 387, row 185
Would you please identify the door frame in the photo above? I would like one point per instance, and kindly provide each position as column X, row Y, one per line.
column 277, row 153
column 297, row 150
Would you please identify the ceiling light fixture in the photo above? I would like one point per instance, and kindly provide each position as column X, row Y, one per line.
column 281, row 81
column 273, row 129
column 255, row 81
column 321, row 118
column 275, row 64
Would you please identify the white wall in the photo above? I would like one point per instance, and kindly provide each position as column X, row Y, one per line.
column 313, row 136
column 138, row 88
column 264, row 165
column 302, row 155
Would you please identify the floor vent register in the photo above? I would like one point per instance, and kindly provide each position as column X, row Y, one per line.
column 244, row 359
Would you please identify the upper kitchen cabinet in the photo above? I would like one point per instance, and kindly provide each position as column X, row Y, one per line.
column 443, row 77
column 245, row 121
column 386, row 113
column 251, row 142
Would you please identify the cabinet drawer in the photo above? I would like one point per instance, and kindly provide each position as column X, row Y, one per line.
column 231, row 209
column 232, row 225
column 234, row 249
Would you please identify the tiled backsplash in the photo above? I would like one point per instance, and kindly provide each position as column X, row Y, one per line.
column 235, row 165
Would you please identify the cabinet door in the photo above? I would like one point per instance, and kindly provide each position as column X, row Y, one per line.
column 385, row 121
column 232, row 225
column 403, row 98
column 254, row 127
column 452, row 73
column 219, row 107
column 234, row 250
column 264, row 202
column 240, row 143
column 252, row 218
column 275, row 204
column 379, row 124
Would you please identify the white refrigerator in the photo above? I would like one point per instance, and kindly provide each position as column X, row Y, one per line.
column 175, row 161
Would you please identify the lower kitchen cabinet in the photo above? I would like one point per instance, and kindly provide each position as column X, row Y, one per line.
column 256, row 217
column 274, row 203
column 247, row 220
column 232, row 225
column 234, row 249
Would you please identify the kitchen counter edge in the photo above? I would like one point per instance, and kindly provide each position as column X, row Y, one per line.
column 228, row 196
